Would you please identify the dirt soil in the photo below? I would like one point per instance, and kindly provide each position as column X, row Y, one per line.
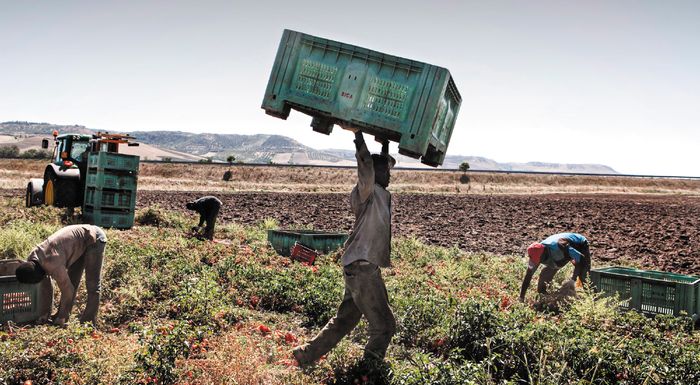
column 655, row 231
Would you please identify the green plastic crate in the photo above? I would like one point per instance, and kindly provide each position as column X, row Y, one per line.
column 324, row 242
column 112, row 199
column 118, row 219
column 113, row 161
column 406, row 101
column 19, row 302
column 125, row 180
column 648, row 291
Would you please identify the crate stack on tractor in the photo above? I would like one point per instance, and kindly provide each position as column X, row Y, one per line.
column 110, row 185
column 89, row 172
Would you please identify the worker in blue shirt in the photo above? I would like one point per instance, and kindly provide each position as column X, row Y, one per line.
column 554, row 253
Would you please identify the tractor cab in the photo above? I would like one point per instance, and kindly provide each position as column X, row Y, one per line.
column 69, row 148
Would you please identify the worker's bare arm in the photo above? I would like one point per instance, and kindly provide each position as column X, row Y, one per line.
column 385, row 147
column 365, row 168
column 526, row 281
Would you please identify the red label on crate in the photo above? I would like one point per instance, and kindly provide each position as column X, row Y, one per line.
column 304, row 254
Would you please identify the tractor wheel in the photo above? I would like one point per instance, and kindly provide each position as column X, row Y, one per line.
column 60, row 192
column 50, row 190
column 28, row 196
column 35, row 193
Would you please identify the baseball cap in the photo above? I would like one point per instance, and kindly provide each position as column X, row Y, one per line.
column 535, row 251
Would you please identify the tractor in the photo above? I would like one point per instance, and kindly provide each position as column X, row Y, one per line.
column 64, row 181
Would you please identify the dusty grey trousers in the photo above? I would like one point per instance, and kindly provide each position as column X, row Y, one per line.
column 91, row 263
column 365, row 294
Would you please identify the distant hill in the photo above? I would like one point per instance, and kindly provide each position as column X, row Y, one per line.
column 248, row 148
column 178, row 145
column 29, row 128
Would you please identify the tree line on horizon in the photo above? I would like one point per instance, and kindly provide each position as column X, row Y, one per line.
column 13, row 152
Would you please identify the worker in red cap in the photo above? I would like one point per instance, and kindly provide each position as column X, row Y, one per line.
column 554, row 253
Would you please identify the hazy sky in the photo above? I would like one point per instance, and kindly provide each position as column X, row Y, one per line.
column 610, row 82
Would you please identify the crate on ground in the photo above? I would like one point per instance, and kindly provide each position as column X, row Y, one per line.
column 651, row 292
column 119, row 219
column 113, row 161
column 123, row 180
column 112, row 199
column 406, row 101
column 323, row 242
column 19, row 302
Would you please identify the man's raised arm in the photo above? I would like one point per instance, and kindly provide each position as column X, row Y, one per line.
column 365, row 167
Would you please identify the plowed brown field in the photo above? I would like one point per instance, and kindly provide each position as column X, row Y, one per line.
column 655, row 231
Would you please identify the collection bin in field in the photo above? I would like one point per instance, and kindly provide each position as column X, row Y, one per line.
column 22, row 302
column 406, row 101
column 648, row 291
column 284, row 240
column 111, row 218
column 110, row 199
column 113, row 161
column 114, row 180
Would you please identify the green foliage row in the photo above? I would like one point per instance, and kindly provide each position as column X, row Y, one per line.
column 456, row 317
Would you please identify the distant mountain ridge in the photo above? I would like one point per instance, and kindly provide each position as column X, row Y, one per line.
column 31, row 128
column 260, row 148
column 263, row 148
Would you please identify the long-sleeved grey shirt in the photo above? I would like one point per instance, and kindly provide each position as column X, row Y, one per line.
column 370, row 239
column 64, row 247
column 58, row 252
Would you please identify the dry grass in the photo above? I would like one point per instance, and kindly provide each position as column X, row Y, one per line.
column 109, row 351
column 208, row 177
column 244, row 356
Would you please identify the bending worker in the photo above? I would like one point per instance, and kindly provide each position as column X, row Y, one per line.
column 366, row 250
column 208, row 209
column 554, row 253
column 64, row 256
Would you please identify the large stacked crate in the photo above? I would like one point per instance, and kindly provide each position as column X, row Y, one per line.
column 406, row 101
column 651, row 292
column 110, row 190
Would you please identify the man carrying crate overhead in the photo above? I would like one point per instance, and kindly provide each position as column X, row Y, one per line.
column 64, row 256
column 554, row 253
column 366, row 250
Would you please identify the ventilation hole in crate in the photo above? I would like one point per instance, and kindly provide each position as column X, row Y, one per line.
column 274, row 97
column 413, row 136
